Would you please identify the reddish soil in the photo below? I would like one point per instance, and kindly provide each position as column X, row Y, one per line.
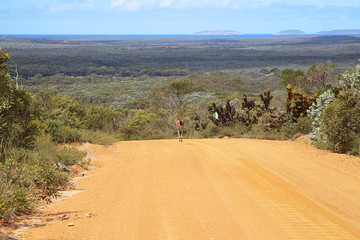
column 210, row 189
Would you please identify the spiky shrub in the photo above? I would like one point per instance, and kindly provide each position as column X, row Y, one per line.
column 351, row 80
column 266, row 98
column 315, row 113
column 298, row 103
column 248, row 115
column 247, row 104
column 275, row 121
column 250, row 112
column 220, row 115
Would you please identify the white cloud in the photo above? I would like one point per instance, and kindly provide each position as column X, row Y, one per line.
column 61, row 5
column 322, row 3
column 133, row 5
column 165, row 3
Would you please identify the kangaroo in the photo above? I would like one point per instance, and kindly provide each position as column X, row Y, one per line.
column 179, row 122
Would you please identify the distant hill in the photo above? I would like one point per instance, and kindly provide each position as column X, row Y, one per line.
column 340, row 32
column 290, row 32
column 217, row 32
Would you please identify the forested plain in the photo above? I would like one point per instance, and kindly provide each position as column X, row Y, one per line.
column 65, row 89
column 119, row 72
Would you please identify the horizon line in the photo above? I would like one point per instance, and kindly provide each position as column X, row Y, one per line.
column 171, row 34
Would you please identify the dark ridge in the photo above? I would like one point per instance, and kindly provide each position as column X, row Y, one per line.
column 334, row 39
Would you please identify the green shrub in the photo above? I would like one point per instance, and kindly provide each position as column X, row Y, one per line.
column 101, row 118
column 73, row 136
column 68, row 111
column 240, row 130
column 356, row 147
column 226, row 131
column 16, row 118
column 26, row 175
column 261, row 130
column 54, row 128
column 341, row 122
column 96, row 137
column 211, row 130
column 69, row 156
column 127, row 133
column 48, row 180
column 13, row 199
column 50, row 152
column 302, row 125
column 149, row 124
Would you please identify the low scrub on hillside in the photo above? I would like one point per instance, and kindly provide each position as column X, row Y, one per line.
column 32, row 125
column 29, row 159
column 27, row 175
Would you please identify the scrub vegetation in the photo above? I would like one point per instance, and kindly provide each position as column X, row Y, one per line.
column 101, row 90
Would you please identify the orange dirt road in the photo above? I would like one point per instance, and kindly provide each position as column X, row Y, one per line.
column 211, row 189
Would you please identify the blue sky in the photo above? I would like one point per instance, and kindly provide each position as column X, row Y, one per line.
column 175, row 16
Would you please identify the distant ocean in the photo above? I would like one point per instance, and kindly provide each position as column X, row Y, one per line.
column 162, row 35
column 170, row 35
column 139, row 35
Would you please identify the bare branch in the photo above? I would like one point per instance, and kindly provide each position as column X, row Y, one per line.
column 17, row 75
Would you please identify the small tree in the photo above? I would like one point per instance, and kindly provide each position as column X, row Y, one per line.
column 177, row 90
column 16, row 125
column 318, row 76
column 289, row 76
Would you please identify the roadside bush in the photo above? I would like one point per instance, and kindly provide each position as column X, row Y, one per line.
column 68, row 111
column 28, row 175
column 288, row 129
column 226, row 131
column 62, row 134
column 72, row 135
column 49, row 180
column 240, row 130
column 315, row 113
column 96, row 137
column 127, row 133
column 102, row 118
column 261, row 131
column 54, row 129
column 341, row 122
column 302, row 125
column 147, row 124
column 16, row 119
column 13, row 199
column 211, row 130
column 356, row 147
